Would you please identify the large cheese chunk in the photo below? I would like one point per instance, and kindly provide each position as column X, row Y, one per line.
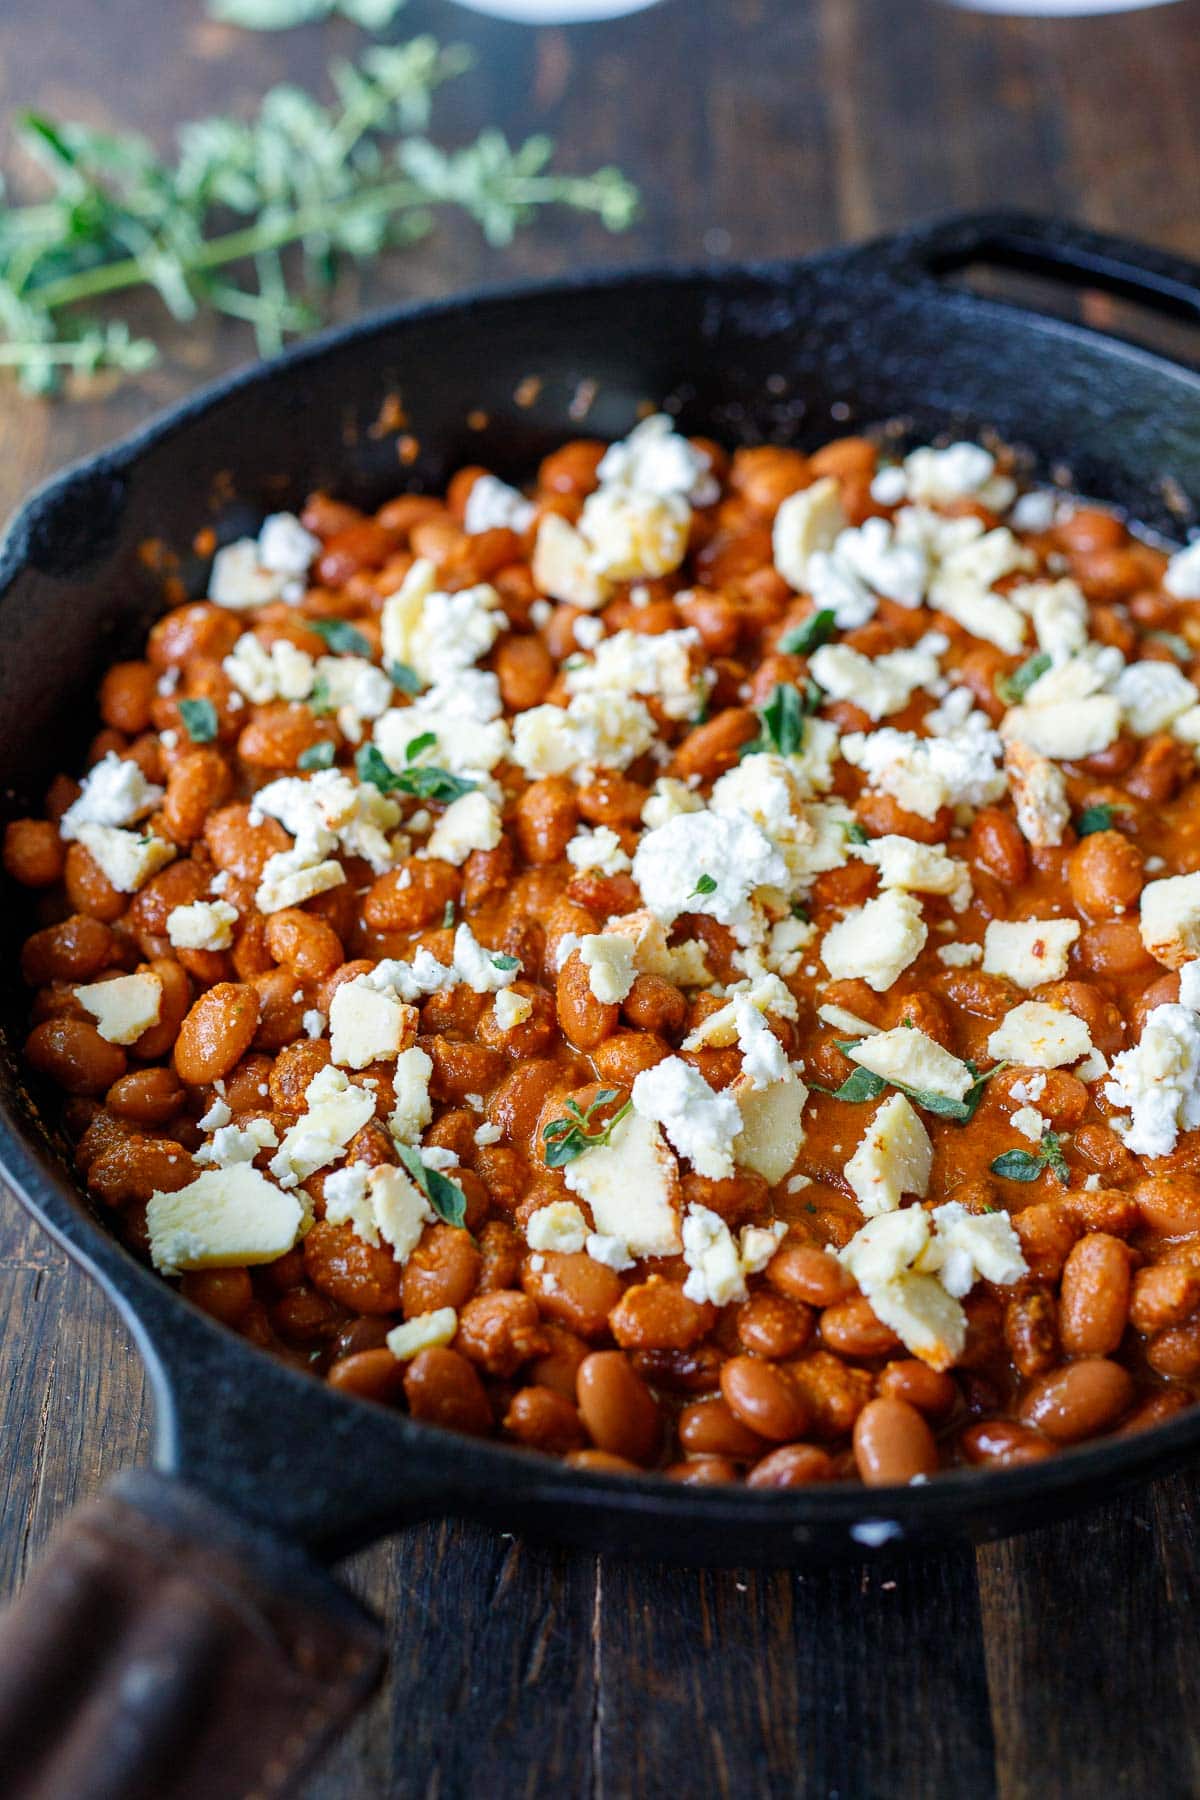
column 894, row 1158
column 1040, row 1037
column 632, row 1186
column 610, row 962
column 202, row 925
column 1039, row 791
column 1067, row 730
column 126, row 859
column 427, row 1330
column 1029, row 951
column 875, row 943
column 336, row 1109
column 124, row 1007
column 807, row 522
column 368, row 1025
column 382, row 1205
column 913, row 1060
column 227, row 1218
column 772, row 1125
column 562, row 566
column 633, row 535
column 1170, row 919
column 472, row 822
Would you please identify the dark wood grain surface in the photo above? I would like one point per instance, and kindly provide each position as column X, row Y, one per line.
column 1064, row 1663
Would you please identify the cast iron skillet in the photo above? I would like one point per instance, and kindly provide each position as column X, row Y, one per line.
column 782, row 352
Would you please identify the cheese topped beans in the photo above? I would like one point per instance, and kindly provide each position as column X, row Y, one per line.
column 693, row 967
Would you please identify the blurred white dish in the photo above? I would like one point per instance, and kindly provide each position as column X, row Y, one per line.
column 556, row 12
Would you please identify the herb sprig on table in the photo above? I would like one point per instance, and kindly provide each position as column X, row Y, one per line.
column 255, row 219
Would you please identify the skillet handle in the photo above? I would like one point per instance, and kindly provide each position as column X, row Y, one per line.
column 165, row 1651
column 1075, row 253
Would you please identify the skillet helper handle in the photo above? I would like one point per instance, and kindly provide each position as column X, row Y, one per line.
column 1076, row 254
column 163, row 1650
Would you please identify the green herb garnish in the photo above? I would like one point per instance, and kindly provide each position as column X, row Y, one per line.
column 445, row 1196
column 568, row 1137
column 782, row 723
column 1013, row 688
column 1028, row 1165
column 199, row 720
column 424, row 783
column 317, row 756
column 414, row 747
column 1094, row 818
column 865, row 1084
column 401, row 676
column 1178, row 646
column 816, row 630
column 320, row 700
column 256, row 218
column 857, row 833
column 502, row 961
column 447, row 915
column 705, row 885
column 341, row 636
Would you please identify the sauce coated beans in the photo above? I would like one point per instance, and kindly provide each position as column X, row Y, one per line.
column 536, row 1043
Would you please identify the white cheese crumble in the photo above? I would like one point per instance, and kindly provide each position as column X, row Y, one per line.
column 126, row 860
column 1029, row 951
column 424, row 1331
column 202, row 925
column 631, row 1185
column 700, row 1124
column 123, row 1007
column 727, row 848
column 876, row 942
column 1158, row 1080
column 560, row 1227
column 114, row 792
column 655, row 459
column 1037, row 1036
column 437, row 634
column 494, row 506
column 894, row 1158
column 611, row 965
column 226, row 1218
column 1170, row 919
column 599, row 849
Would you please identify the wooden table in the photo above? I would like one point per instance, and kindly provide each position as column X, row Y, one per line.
column 1064, row 1663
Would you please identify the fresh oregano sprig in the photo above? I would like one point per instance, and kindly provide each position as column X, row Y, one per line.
column 568, row 1137
column 254, row 218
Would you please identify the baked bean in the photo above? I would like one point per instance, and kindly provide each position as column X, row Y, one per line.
column 1166, row 1404
column 216, row 1033
column 792, row 1465
column 657, row 1315
column 574, row 1290
column 500, row 1332
column 76, row 950
column 1102, row 1018
column 1175, row 1352
column 1031, row 1332
column 199, row 629
column 735, row 1198
column 225, row 1294
column 764, row 1398
column 620, row 1059
column 545, row 819
column 709, row 1428
column 654, row 1004
column 1169, row 1204
column 765, row 475
column 1094, row 1298
column 308, row 946
column 850, row 1328
column 617, row 1407
column 1114, row 948
column 1003, row 1443
column 1078, row 1401
column 995, row 844
column 460, row 1070
column 175, row 997
column 834, row 1392
column 694, row 1371
column 34, row 854
column 486, row 873
column 770, row 1326
column 281, row 1008
column 412, row 896
column 600, row 1462
column 1105, row 874
column 279, row 734
column 369, row 1375
column 892, row 1444
column 930, row 1391
column 702, row 1471
column 131, row 1171
column 443, row 1270
column 197, row 783
column 442, row 1388
column 1163, row 1295
column 361, row 1277
column 147, row 1096
column 583, row 1020
column 73, row 1055
column 804, row 1272
column 240, row 847
column 525, row 670
column 88, row 888
column 712, row 749
column 543, row 1419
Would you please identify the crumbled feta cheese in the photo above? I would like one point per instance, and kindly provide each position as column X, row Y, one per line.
column 335, row 1110
column 126, row 860
column 728, row 848
column 494, row 506
column 967, row 1247
column 913, row 1060
column 226, row 1218
column 889, row 485
column 1189, row 985
column 879, row 685
column 699, row 1123
column 1158, row 1080
column 655, row 459
column 285, row 547
column 1152, row 695
column 1030, row 1123
column 560, row 1227
column 610, row 962
column 263, row 673
column 605, row 730
column 1059, row 613
column 632, row 535
column 772, row 1125
column 437, row 634
column 511, row 1009
column 293, row 876
column 355, row 690
column 1182, row 578
column 1029, row 951
column 1035, row 511
column 882, row 1257
column 114, row 792
column 123, row 1007
column 202, row 925
column 1039, row 791
column 462, row 713
column 876, row 942
column 631, row 1185
column 1170, row 919
column 381, row 1204
column 955, row 768
column 837, row 589
column 367, row 1025
column 918, row 868
column 238, row 1143
column 476, row 966
column 424, row 1331
column 1066, row 731
column 961, row 471
column 665, row 667
column 715, row 1268
column 472, row 822
column 600, row 849
column 894, row 1158
column 238, row 580
column 605, row 1248
column 668, row 800
column 413, row 1107
column 960, row 955
column 806, row 523
column 1040, row 1037
column 896, row 570
column 217, row 1115
column 562, row 566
